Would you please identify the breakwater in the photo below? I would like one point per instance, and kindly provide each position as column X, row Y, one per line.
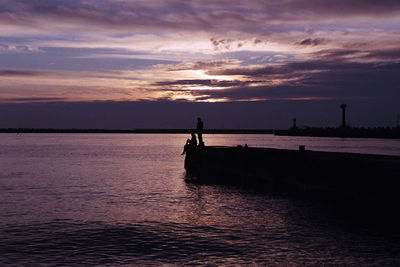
column 360, row 178
column 352, row 132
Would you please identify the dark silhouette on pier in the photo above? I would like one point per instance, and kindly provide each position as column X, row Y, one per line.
column 190, row 144
column 199, row 131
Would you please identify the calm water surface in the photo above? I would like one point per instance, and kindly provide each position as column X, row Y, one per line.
column 112, row 199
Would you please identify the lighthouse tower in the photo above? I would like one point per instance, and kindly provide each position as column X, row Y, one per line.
column 343, row 107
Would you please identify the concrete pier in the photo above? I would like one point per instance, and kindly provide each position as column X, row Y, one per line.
column 372, row 179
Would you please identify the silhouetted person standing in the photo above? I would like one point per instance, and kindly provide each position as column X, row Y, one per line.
column 199, row 130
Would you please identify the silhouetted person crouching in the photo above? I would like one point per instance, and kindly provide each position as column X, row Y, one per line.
column 190, row 144
column 199, row 130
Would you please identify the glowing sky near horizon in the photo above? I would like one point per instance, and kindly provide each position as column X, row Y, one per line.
column 199, row 50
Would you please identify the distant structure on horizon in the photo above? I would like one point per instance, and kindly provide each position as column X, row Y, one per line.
column 343, row 107
column 398, row 120
column 343, row 130
column 294, row 123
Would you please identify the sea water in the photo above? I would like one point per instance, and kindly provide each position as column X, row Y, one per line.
column 121, row 199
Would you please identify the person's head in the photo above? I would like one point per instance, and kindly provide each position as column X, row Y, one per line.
column 198, row 119
column 193, row 135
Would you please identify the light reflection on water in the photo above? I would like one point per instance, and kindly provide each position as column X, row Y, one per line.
column 121, row 199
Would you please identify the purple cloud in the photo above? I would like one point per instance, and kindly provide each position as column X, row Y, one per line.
column 21, row 73
column 184, row 15
column 33, row 99
column 312, row 42
column 210, row 83
column 315, row 79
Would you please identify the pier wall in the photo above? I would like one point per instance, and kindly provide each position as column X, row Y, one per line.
column 348, row 176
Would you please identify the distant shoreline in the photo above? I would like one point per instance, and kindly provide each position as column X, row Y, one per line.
column 138, row 131
column 377, row 132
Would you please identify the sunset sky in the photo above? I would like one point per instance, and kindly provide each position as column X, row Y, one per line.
column 161, row 58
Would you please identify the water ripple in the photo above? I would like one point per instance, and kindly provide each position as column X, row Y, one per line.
column 148, row 243
column 74, row 243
